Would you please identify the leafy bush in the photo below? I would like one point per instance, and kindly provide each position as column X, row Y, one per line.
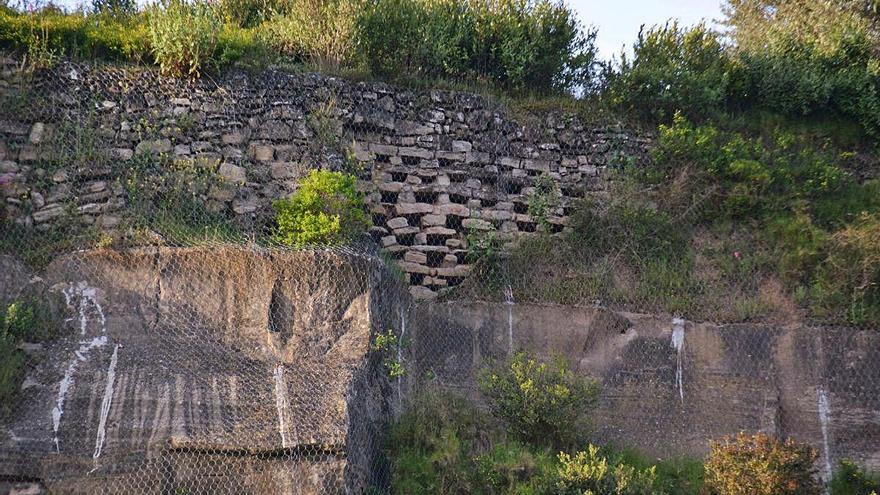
column 183, row 35
column 123, row 9
column 850, row 480
column 432, row 445
column 760, row 465
column 588, row 472
column 541, row 403
column 325, row 209
column 49, row 34
column 322, row 32
column 808, row 58
column 522, row 45
column 543, row 200
column 850, row 276
column 673, row 69
column 250, row 13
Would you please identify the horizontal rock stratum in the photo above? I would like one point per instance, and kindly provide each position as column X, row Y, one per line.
column 228, row 370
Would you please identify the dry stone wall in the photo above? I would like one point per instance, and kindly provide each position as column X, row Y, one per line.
column 436, row 166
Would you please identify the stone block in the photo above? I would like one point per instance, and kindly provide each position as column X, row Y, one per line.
column 413, row 208
column 233, row 174
column 476, row 224
column 462, row 146
column 415, row 257
column 398, row 223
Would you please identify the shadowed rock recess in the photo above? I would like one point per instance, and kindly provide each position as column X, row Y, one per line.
column 206, row 371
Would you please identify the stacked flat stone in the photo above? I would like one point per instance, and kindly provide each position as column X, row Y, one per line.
column 437, row 167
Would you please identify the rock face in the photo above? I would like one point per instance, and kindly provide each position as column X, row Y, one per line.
column 207, row 371
column 435, row 166
column 670, row 385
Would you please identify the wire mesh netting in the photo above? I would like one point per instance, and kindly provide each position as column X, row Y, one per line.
column 160, row 338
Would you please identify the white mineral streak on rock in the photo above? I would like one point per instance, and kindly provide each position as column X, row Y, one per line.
column 823, row 422
column 281, row 402
column 86, row 296
column 105, row 405
column 400, row 353
column 678, row 344
column 508, row 300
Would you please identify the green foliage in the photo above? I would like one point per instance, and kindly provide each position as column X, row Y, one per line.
column 432, row 445
column 849, row 277
column 120, row 9
column 250, row 13
column 760, row 465
column 850, row 480
column 515, row 44
column 588, row 472
column 515, row 468
column 49, row 34
column 322, row 32
column 541, row 403
column 19, row 322
column 443, row 444
column 543, row 200
column 168, row 198
column 673, row 69
column 183, row 35
column 325, row 209
column 808, row 58
column 386, row 344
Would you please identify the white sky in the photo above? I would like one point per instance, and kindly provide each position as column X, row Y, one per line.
column 618, row 21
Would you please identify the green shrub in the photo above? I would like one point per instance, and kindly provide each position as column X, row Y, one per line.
column 514, row 468
column 536, row 46
column 586, row 472
column 850, row 480
column 432, row 445
column 322, row 32
column 541, row 403
column 183, row 35
column 325, row 209
column 849, row 277
column 544, row 200
column 673, row 69
column 760, row 465
column 123, row 9
column 808, row 58
column 49, row 34
column 250, row 13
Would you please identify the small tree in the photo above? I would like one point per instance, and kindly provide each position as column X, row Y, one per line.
column 760, row 465
column 541, row 403
column 325, row 209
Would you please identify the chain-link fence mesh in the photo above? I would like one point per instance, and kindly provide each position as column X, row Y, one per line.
column 159, row 339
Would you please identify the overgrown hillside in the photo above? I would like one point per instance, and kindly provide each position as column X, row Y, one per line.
column 760, row 200
column 724, row 175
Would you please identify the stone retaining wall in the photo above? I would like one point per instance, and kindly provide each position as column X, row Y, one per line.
column 435, row 165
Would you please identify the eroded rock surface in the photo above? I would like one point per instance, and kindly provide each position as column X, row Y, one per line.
column 207, row 371
column 669, row 385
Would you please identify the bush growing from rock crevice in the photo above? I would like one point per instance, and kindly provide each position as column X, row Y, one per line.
column 326, row 209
